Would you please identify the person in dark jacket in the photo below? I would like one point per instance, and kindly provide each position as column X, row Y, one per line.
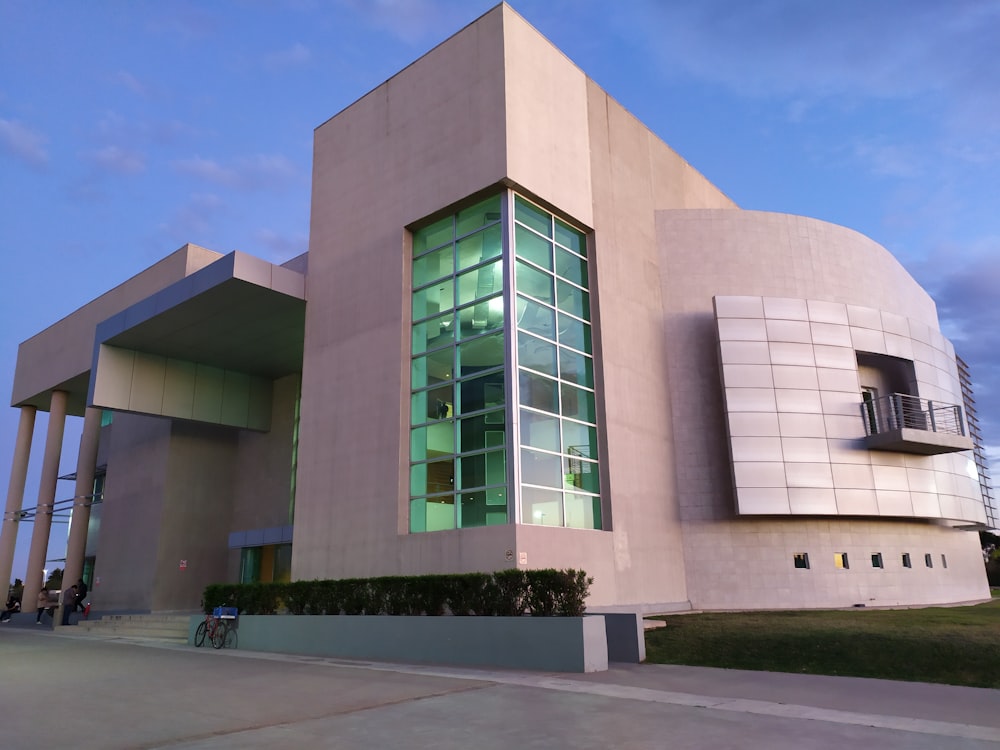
column 81, row 595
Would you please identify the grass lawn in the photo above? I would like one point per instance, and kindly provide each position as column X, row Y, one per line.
column 953, row 645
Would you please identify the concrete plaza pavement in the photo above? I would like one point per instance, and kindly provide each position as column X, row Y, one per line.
column 59, row 689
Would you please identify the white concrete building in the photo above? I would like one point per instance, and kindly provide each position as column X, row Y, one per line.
column 528, row 333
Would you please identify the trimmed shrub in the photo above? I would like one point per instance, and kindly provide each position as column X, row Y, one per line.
column 505, row 593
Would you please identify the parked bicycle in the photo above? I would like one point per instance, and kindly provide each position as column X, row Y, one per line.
column 219, row 628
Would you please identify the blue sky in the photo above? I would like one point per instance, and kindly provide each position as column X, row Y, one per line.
column 128, row 129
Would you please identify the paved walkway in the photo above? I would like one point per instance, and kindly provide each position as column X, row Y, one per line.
column 60, row 689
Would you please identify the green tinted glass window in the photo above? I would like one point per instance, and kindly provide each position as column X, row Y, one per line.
column 534, row 282
column 574, row 333
column 484, row 281
column 479, row 215
column 533, row 217
column 569, row 237
column 432, row 405
column 434, row 235
column 482, row 431
column 486, row 392
column 531, row 247
column 541, row 468
column 536, row 318
column 433, row 300
column 571, row 267
column 541, row 507
column 480, row 317
column 440, row 513
column 573, row 299
column 539, row 430
column 576, row 368
column 583, row 511
column 432, row 266
column 536, row 354
column 539, row 392
column 581, row 474
column 481, row 354
column 479, row 247
column 579, row 439
column 434, row 333
column 577, row 403
column 481, row 469
column 432, row 369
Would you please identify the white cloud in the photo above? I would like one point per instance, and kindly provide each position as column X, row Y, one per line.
column 297, row 54
column 130, row 82
column 851, row 48
column 246, row 173
column 193, row 220
column 410, row 20
column 889, row 159
column 282, row 247
column 23, row 143
column 118, row 160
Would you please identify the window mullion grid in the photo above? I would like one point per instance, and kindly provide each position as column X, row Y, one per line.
column 512, row 439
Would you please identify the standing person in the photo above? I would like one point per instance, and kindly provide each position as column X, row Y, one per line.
column 43, row 604
column 68, row 604
column 81, row 594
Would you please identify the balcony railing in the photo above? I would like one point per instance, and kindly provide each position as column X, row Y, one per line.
column 914, row 425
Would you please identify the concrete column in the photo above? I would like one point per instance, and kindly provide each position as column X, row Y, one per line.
column 86, row 462
column 46, row 499
column 15, row 495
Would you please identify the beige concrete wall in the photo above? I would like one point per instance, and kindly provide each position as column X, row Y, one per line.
column 64, row 350
column 137, row 452
column 510, row 107
column 198, row 495
column 739, row 562
column 749, row 564
column 263, row 465
column 168, row 497
column 430, row 136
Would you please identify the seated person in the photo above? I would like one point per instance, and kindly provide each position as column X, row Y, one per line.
column 13, row 606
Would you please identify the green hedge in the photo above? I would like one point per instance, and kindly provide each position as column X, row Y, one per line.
column 544, row 593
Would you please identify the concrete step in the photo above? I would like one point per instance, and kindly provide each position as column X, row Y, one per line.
column 154, row 626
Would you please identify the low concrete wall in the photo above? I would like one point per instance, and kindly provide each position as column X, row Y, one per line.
column 552, row 644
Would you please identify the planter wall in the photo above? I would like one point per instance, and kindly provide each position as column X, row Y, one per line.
column 553, row 644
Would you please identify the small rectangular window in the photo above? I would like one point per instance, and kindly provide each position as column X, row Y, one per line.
column 801, row 559
column 928, row 560
column 840, row 560
column 944, row 561
column 877, row 560
column 906, row 560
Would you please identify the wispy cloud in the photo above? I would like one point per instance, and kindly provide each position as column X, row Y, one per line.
column 23, row 143
column 966, row 296
column 117, row 160
column 132, row 83
column 246, row 173
column 853, row 48
column 886, row 159
column 297, row 54
column 409, row 20
column 282, row 247
column 194, row 220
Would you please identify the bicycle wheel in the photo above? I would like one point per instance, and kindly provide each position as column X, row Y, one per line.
column 219, row 636
column 199, row 634
column 231, row 639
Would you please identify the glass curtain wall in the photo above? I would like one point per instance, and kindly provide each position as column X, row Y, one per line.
column 459, row 439
column 458, row 472
column 560, row 481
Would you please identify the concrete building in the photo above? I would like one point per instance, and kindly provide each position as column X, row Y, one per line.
column 526, row 333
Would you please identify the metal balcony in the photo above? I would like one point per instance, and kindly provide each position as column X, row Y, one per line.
column 910, row 424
